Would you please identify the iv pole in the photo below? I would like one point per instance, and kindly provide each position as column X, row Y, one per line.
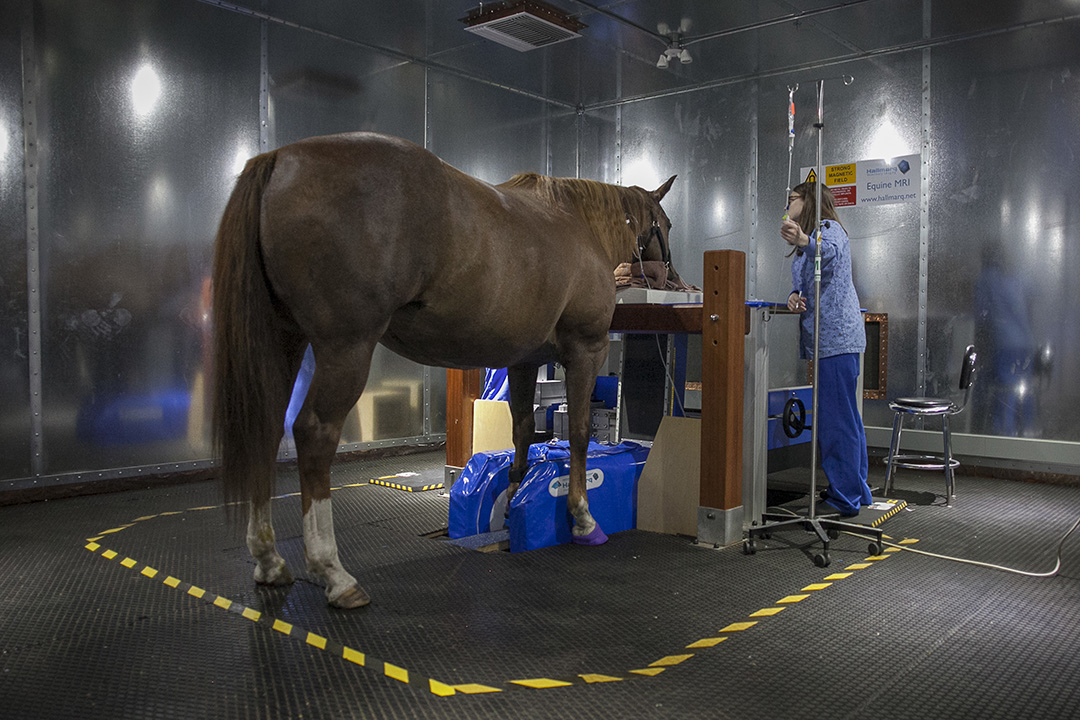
column 826, row 527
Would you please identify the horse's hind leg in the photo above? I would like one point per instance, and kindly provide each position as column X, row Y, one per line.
column 270, row 567
column 339, row 379
column 522, row 379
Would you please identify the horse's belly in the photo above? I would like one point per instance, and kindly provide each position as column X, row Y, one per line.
column 464, row 345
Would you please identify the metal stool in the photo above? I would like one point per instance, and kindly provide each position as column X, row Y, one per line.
column 923, row 407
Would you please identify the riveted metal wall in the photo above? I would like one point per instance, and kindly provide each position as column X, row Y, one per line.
column 136, row 116
column 145, row 113
column 15, row 238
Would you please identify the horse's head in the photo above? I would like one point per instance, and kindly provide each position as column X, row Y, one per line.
column 651, row 226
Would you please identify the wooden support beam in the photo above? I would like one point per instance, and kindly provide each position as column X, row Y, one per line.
column 462, row 387
column 722, row 327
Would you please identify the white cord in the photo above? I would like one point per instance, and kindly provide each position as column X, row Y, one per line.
column 908, row 548
column 1051, row 573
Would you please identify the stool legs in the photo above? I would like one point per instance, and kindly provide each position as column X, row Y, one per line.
column 894, row 450
column 950, row 490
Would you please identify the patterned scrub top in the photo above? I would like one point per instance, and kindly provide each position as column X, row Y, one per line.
column 842, row 328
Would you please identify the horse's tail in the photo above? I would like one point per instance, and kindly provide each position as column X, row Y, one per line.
column 248, row 359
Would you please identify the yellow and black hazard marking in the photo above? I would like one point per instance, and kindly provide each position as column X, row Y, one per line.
column 897, row 506
column 408, row 482
column 443, row 689
column 354, row 656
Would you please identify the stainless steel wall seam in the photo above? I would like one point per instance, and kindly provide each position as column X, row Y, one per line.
column 751, row 260
column 924, row 207
column 33, row 255
column 264, row 88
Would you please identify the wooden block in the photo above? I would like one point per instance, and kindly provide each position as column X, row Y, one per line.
column 493, row 427
column 668, row 486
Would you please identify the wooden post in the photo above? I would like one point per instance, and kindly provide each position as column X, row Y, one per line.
column 462, row 387
column 722, row 330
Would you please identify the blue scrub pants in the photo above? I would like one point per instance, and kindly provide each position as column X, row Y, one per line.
column 841, row 437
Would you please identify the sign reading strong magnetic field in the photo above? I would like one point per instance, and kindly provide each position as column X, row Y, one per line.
column 872, row 182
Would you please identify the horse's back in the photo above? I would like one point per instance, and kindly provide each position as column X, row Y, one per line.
column 374, row 234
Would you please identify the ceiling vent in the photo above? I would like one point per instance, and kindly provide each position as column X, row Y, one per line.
column 522, row 24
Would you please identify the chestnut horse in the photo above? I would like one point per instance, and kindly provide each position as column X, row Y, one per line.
column 350, row 240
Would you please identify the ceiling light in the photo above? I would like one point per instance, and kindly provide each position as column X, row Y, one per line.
column 662, row 62
column 684, row 57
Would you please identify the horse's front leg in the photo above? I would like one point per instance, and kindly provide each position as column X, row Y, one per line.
column 335, row 387
column 580, row 379
column 522, row 380
column 270, row 567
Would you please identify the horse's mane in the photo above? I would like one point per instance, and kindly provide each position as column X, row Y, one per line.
column 603, row 207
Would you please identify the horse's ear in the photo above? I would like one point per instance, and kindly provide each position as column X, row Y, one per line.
column 659, row 193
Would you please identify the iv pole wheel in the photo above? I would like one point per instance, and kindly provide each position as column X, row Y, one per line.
column 833, row 533
column 749, row 547
column 822, row 559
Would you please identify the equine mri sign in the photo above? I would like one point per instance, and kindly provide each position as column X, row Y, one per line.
column 872, row 182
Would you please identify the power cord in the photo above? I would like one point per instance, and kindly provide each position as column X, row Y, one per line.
column 908, row 548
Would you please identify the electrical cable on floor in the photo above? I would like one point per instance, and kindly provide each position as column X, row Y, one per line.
column 908, row 548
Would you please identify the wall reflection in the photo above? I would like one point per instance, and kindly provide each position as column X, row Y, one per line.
column 147, row 111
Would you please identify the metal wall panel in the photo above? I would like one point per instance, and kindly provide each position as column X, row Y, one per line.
column 398, row 26
column 146, row 112
column 320, row 86
column 15, row 430
column 483, row 131
column 705, row 139
column 1004, row 242
column 598, row 147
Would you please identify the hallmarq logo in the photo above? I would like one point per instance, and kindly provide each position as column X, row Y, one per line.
column 561, row 485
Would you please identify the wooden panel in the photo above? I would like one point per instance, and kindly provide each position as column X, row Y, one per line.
column 656, row 318
column 668, row 486
column 493, row 426
column 635, row 317
column 462, row 388
column 876, row 357
column 722, row 345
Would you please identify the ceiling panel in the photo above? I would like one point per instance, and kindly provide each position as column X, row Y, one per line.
column 616, row 56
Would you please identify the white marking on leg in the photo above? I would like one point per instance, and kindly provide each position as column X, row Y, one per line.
column 270, row 568
column 584, row 522
column 320, row 547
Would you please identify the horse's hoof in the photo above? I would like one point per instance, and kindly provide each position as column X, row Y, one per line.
column 354, row 597
column 596, row 537
column 280, row 575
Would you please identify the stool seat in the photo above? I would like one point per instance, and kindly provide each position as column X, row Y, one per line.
column 925, row 407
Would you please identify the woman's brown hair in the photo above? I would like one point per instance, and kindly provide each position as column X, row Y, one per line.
column 808, row 217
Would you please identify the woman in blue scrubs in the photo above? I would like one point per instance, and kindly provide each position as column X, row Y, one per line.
column 841, row 437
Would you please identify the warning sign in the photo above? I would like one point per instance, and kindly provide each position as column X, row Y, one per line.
column 840, row 175
column 845, row 195
column 872, row 182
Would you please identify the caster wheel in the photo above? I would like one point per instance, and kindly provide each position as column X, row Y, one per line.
column 833, row 533
column 764, row 535
column 822, row 559
column 875, row 549
column 748, row 547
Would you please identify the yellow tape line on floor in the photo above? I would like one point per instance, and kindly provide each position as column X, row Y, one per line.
column 431, row 685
